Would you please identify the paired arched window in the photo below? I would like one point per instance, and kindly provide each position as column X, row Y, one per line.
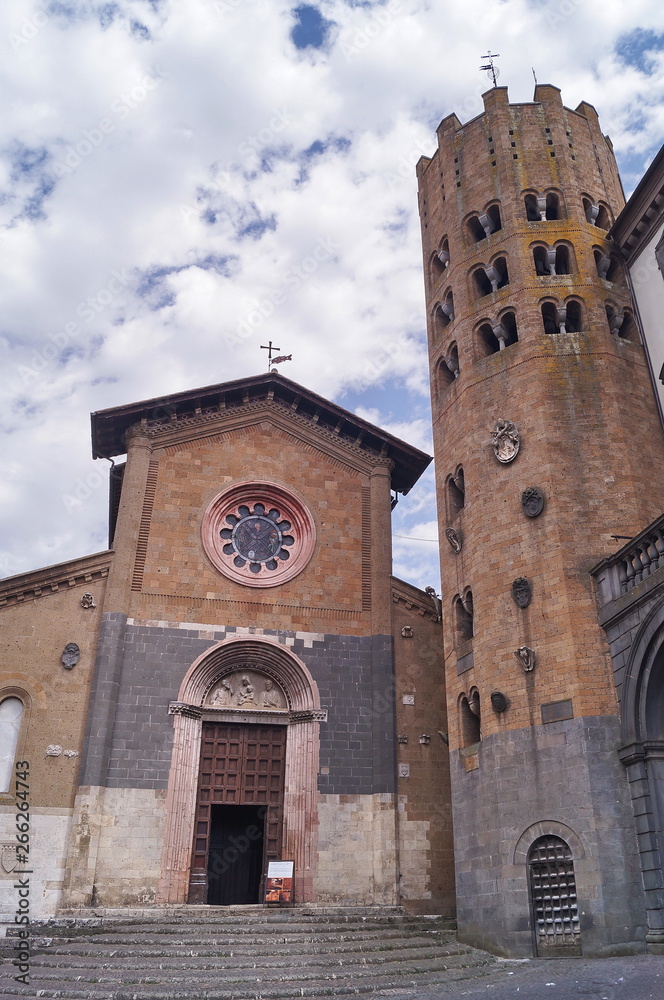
column 11, row 714
column 496, row 335
column 566, row 318
column 621, row 322
column 483, row 224
column 597, row 213
column 542, row 207
column 552, row 260
column 490, row 279
column 609, row 266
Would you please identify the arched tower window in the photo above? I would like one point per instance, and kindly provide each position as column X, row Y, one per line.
column 470, row 719
column 11, row 713
column 604, row 220
column 497, row 335
column 475, row 230
column 553, row 208
column 463, row 608
column 563, row 260
column 552, row 886
column 545, row 260
column 448, row 367
column 441, row 259
column 621, row 322
column 456, row 493
column 490, row 279
column 493, row 214
column 533, row 213
column 573, row 316
column 444, row 314
column 550, row 317
column 609, row 266
column 590, row 210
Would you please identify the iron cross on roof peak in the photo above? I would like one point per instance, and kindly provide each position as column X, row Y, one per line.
column 274, row 361
column 492, row 71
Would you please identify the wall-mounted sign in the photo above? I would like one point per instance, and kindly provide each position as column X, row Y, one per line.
column 279, row 882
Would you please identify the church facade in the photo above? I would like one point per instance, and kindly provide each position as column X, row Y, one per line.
column 240, row 679
column 227, row 685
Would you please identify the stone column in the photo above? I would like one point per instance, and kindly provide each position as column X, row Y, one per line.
column 381, row 550
column 180, row 804
column 300, row 814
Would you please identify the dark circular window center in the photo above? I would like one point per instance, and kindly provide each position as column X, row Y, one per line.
column 256, row 538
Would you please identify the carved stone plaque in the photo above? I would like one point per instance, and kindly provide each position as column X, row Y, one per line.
column 522, row 592
column 499, row 702
column 532, row 501
column 247, row 689
column 454, row 538
column 506, row 441
column 70, row 655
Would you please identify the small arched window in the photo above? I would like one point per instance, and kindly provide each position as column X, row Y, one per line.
column 440, row 260
column 456, row 493
column 533, row 213
column 552, row 207
column 563, row 260
column 11, row 713
column 609, row 267
column 573, row 317
column 603, row 220
column 550, row 318
column 444, row 312
column 464, row 617
column 475, row 230
column 448, row 367
column 470, row 719
column 493, row 214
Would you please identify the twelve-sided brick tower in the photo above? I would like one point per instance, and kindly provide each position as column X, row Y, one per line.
column 548, row 449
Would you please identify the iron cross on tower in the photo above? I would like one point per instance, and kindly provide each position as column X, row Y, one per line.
column 274, row 361
column 492, row 70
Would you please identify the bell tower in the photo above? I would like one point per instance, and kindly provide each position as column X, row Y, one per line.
column 548, row 452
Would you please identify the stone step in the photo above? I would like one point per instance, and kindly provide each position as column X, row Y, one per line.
column 248, row 959
column 266, row 989
column 262, row 923
column 222, row 939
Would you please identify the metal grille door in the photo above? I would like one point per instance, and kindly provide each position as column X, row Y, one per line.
column 553, row 896
column 241, row 765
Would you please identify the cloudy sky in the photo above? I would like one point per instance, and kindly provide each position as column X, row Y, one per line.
column 182, row 180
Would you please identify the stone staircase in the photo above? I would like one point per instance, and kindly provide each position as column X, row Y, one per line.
column 238, row 953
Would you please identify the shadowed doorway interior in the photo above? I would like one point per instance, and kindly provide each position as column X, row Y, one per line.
column 235, row 858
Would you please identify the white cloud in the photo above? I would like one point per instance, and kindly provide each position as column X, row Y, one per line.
column 158, row 153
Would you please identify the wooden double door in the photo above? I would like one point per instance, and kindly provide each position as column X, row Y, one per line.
column 239, row 811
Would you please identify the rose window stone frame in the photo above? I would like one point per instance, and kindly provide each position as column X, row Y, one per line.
column 258, row 534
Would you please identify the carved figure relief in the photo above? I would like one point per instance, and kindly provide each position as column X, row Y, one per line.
column 407, row 631
column 522, row 592
column 249, row 690
column 506, row 441
column 454, row 538
column 532, row 501
column 526, row 657
column 70, row 655
column 88, row 601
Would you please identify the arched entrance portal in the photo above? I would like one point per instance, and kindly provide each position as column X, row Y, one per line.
column 552, row 886
column 246, row 735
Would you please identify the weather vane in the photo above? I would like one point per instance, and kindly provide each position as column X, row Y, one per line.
column 492, row 70
column 274, row 361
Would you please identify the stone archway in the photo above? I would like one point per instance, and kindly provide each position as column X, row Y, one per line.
column 302, row 717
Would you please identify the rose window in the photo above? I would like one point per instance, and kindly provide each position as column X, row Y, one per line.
column 258, row 534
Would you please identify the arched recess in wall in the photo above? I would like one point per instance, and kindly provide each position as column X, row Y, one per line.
column 14, row 703
column 302, row 751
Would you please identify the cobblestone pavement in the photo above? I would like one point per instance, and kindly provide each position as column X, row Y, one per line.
column 635, row 978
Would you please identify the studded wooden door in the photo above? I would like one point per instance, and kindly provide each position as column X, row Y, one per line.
column 240, row 765
column 553, row 898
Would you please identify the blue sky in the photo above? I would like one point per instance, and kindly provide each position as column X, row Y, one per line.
column 179, row 182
